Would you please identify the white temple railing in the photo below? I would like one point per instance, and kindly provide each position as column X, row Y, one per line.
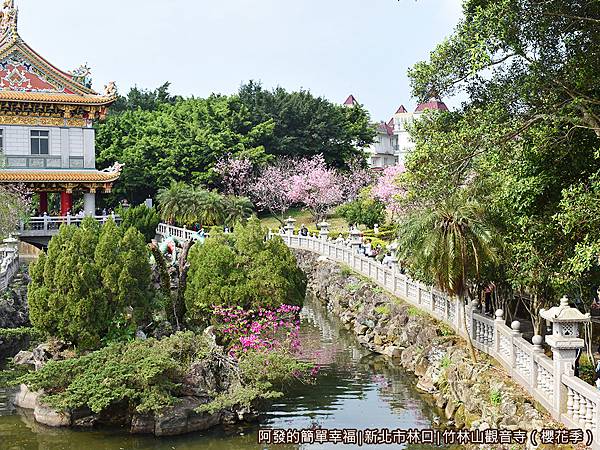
column 9, row 266
column 183, row 234
column 566, row 397
column 49, row 225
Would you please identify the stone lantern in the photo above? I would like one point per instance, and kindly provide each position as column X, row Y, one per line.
column 324, row 231
column 564, row 342
column 355, row 239
column 290, row 226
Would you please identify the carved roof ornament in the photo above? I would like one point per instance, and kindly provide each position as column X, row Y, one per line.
column 110, row 90
column 116, row 168
column 83, row 75
column 8, row 19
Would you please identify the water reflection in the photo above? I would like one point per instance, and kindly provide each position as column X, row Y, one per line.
column 354, row 389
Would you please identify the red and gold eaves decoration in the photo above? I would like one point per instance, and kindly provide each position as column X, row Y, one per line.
column 29, row 83
column 57, row 176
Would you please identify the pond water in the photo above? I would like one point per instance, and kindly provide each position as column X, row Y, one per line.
column 354, row 389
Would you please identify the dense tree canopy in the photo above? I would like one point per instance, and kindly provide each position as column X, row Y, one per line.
column 161, row 139
column 526, row 142
column 88, row 280
column 242, row 269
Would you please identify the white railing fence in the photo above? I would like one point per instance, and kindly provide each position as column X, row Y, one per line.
column 183, row 234
column 47, row 225
column 549, row 381
column 566, row 397
column 9, row 266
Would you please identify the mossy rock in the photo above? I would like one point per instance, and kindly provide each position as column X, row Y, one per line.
column 459, row 416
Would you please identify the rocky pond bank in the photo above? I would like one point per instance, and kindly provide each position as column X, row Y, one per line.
column 473, row 395
column 205, row 379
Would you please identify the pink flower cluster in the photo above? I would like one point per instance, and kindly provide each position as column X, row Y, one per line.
column 237, row 174
column 387, row 189
column 263, row 329
column 316, row 186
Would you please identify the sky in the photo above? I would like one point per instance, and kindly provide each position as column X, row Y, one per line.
column 331, row 47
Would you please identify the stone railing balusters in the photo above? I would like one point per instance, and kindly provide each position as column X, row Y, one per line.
column 550, row 381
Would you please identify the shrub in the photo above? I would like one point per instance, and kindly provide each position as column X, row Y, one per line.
column 413, row 311
column 145, row 374
column 242, row 269
column 262, row 329
column 495, row 397
column 144, row 219
column 445, row 362
column 91, row 277
column 353, row 287
column 365, row 210
column 18, row 333
column 346, row 271
column 445, row 330
column 264, row 375
column 383, row 310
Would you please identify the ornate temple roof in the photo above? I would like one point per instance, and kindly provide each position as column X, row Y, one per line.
column 25, row 76
column 59, row 176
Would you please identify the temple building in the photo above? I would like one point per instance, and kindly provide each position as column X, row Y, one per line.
column 47, row 142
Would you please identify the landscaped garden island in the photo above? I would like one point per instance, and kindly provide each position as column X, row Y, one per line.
column 271, row 269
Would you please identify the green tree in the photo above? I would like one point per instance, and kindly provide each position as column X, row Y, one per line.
column 179, row 142
column 88, row 280
column 143, row 99
column 242, row 269
column 162, row 139
column 365, row 210
column 449, row 244
column 525, row 143
column 237, row 210
column 306, row 125
column 144, row 219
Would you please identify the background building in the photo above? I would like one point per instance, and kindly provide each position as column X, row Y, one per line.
column 47, row 140
column 393, row 141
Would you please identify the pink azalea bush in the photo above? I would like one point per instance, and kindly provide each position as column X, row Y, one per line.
column 262, row 330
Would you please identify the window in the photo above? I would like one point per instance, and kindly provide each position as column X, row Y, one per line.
column 1, row 139
column 39, row 142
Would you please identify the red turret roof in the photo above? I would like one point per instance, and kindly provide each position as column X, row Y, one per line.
column 432, row 104
column 391, row 124
column 385, row 128
column 401, row 110
column 351, row 101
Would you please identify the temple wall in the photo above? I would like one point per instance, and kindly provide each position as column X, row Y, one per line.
column 69, row 148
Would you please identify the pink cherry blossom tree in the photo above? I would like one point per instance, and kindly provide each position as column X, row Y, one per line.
column 237, row 175
column 387, row 189
column 270, row 190
column 356, row 178
column 317, row 187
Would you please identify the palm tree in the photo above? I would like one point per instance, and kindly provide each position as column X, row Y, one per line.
column 209, row 207
column 175, row 202
column 237, row 209
column 449, row 243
